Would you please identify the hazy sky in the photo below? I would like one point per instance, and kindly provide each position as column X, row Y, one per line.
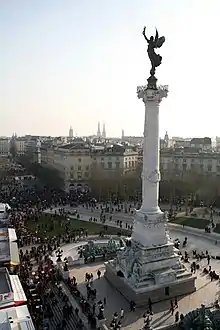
column 67, row 62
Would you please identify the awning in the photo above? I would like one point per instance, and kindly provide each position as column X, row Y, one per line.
column 14, row 255
column 19, row 295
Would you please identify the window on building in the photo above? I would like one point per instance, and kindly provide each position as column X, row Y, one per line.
column 109, row 164
column 79, row 160
column 79, row 168
column 72, row 168
column 117, row 165
column 79, row 177
column 102, row 165
column 86, row 174
column 209, row 168
column 184, row 167
column 87, row 167
column 218, row 169
column 71, row 176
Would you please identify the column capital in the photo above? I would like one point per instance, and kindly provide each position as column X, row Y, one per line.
column 152, row 95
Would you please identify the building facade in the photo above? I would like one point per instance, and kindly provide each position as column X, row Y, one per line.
column 80, row 162
column 181, row 161
column 20, row 143
column 4, row 146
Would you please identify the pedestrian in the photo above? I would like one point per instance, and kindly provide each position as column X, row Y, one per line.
column 175, row 302
column 208, row 259
column 176, row 317
column 98, row 274
column 122, row 313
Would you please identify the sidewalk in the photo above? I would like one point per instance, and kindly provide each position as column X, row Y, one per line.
column 75, row 305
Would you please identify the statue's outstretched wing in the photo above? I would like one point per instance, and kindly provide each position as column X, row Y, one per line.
column 159, row 42
column 156, row 37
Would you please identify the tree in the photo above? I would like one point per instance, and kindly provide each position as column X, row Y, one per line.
column 114, row 183
column 13, row 148
column 48, row 176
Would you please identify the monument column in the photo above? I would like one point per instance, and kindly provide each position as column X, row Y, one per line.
column 151, row 174
column 150, row 221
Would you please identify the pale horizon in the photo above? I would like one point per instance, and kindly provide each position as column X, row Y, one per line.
column 73, row 63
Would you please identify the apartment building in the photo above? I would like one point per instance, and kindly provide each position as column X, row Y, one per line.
column 4, row 146
column 20, row 145
column 180, row 161
column 79, row 162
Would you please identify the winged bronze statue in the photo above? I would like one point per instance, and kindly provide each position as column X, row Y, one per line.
column 154, row 42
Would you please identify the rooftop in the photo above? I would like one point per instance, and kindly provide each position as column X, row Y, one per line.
column 16, row 318
column 5, row 285
column 205, row 140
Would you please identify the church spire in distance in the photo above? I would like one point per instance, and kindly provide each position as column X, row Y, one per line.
column 103, row 131
column 70, row 132
column 98, row 131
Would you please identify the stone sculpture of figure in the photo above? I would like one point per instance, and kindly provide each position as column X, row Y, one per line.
column 154, row 42
column 135, row 273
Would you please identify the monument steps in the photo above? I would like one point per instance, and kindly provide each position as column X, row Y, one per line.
column 184, row 275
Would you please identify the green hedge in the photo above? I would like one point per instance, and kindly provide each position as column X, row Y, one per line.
column 199, row 223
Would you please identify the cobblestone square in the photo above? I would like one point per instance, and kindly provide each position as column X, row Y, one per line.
column 206, row 293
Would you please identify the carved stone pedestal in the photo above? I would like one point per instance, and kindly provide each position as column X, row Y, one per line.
column 158, row 292
column 152, row 269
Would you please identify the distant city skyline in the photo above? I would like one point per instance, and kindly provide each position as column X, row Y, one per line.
column 74, row 63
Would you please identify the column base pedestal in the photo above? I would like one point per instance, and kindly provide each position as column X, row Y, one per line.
column 150, row 265
column 181, row 286
column 150, row 228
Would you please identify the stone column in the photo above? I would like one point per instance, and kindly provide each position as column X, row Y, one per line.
column 151, row 148
column 150, row 222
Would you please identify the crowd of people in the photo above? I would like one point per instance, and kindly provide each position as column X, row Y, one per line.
column 48, row 305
